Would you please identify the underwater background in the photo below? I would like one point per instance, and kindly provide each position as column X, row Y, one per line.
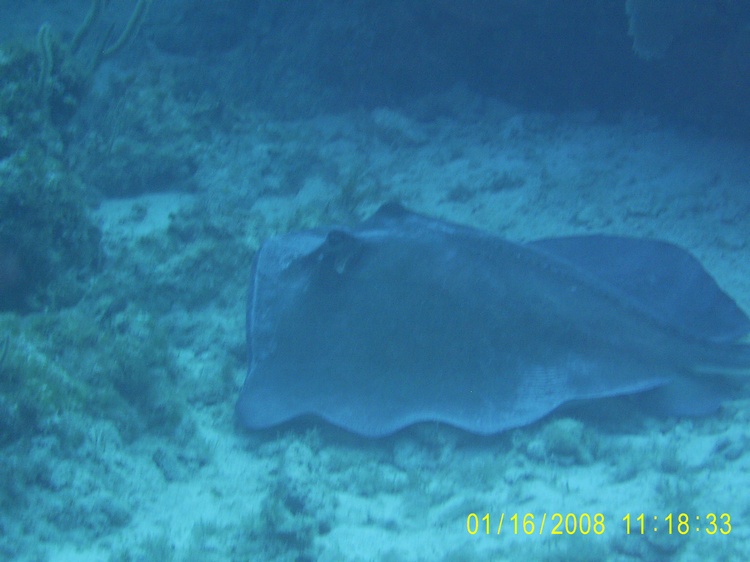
column 148, row 147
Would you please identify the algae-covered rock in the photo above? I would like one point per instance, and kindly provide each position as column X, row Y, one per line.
column 47, row 237
column 78, row 362
column 149, row 141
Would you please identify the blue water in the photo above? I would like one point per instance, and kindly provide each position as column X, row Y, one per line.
column 148, row 148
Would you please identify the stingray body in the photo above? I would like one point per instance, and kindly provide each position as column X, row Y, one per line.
column 405, row 319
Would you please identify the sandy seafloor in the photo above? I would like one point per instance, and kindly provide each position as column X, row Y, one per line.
column 307, row 492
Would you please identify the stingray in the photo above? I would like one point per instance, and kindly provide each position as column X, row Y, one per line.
column 405, row 319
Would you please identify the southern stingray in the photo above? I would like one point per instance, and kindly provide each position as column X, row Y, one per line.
column 405, row 319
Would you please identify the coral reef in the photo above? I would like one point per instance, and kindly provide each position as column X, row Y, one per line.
column 146, row 142
column 117, row 368
column 48, row 240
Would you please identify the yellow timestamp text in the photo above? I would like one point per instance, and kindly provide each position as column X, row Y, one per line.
column 678, row 524
column 536, row 524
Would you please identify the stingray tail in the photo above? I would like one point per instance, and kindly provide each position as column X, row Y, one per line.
column 729, row 360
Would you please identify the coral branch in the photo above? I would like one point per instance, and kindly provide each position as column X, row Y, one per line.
column 134, row 24
column 91, row 17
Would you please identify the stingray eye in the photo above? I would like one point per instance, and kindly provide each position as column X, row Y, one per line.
column 340, row 251
column 338, row 241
